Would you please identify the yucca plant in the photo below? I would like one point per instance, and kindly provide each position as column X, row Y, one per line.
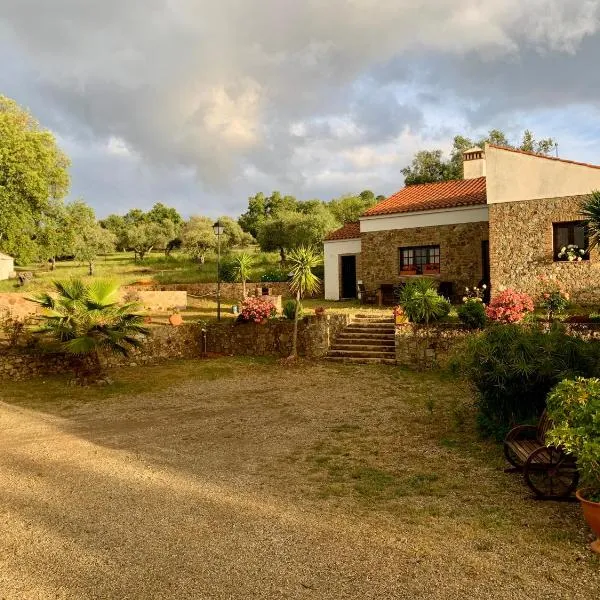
column 84, row 319
column 242, row 264
column 590, row 211
column 421, row 302
column 302, row 261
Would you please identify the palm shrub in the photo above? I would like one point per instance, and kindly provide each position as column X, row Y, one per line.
column 84, row 319
column 302, row 261
column 574, row 407
column 421, row 302
column 591, row 213
column 289, row 309
column 513, row 367
column 242, row 266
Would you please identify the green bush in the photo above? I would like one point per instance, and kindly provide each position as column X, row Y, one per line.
column 574, row 407
column 421, row 302
column 472, row 314
column 228, row 271
column 513, row 367
column 274, row 275
column 289, row 310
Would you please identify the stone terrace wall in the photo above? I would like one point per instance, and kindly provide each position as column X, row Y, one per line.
column 166, row 342
column 274, row 338
column 229, row 291
column 460, row 253
column 163, row 343
column 420, row 348
column 521, row 249
column 18, row 305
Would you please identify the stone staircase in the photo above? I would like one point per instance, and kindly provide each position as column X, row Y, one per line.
column 366, row 340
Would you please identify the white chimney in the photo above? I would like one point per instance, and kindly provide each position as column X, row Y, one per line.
column 473, row 163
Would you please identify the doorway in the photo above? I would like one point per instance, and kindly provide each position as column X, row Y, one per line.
column 348, row 268
column 485, row 270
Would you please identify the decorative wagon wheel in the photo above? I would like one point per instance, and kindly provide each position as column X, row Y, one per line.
column 551, row 474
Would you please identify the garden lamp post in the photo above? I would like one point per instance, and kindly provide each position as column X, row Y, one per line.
column 218, row 229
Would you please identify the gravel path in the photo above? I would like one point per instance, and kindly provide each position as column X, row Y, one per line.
column 108, row 504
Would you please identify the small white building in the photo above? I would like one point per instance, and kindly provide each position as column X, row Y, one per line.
column 7, row 266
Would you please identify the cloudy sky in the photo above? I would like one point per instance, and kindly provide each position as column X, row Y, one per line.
column 200, row 103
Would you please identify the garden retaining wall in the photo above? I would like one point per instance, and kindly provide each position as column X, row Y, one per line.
column 166, row 342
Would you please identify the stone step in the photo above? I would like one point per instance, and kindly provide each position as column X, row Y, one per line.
column 364, row 342
column 362, row 353
column 364, row 347
column 368, row 321
column 362, row 329
column 361, row 361
column 365, row 335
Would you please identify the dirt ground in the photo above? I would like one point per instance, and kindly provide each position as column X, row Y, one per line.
column 235, row 478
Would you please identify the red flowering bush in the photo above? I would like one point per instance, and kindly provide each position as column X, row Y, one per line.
column 257, row 310
column 509, row 306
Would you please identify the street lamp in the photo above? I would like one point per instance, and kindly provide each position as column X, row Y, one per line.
column 218, row 229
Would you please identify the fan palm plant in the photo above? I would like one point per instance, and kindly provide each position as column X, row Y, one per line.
column 84, row 319
column 242, row 264
column 302, row 261
column 591, row 213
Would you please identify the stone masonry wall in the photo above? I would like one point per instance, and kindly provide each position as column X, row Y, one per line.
column 460, row 253
column 166, row 342
column 420, row 348
column 521, row 249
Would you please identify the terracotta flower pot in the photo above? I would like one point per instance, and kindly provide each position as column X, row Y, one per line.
column 409, row 272
column 176, row 320
column 591, row 513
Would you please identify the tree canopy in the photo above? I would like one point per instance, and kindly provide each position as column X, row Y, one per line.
column 33, row 172
column 429, row 166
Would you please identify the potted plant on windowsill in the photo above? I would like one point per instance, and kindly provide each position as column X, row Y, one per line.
column 431, row 269
column 574, row 407
column 571, row 253
column 408, row 271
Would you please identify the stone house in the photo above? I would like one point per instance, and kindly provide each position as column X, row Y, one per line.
column 504, row 224
column 7, row 266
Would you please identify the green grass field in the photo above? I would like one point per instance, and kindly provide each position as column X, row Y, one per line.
column 121, row 267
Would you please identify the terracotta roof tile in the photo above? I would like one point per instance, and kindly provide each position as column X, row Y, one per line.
column 432, row 196
column 349, row 231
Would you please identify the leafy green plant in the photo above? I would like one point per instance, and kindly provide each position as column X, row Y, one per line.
column 421, row 302
column 472, row 314
column 513, row 367
column 85, row 319
column 553, row 299
column 289, row 309
column 302, row 261
column 591, row 212
column 274, row 275
column 574, row 407
column 242, row 266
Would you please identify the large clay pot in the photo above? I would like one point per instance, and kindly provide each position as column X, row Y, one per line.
column 591, row 512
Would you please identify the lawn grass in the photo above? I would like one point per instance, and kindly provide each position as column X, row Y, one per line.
column 156, row 267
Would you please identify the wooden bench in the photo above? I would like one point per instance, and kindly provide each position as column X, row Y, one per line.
column 549, row 472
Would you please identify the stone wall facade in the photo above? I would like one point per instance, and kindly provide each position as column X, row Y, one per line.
column 461, row 260
column 522, row 249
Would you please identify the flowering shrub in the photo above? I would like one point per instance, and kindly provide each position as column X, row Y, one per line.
column 553, row 299
column 572, row 253
column 257, row 310
column 509, row 306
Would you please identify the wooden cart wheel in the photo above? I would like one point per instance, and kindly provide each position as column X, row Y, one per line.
column 512, row 457
column 550, row 474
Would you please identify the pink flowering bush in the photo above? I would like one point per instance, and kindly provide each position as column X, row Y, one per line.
column 553, row 299
column 509, row 306
column 256, row 310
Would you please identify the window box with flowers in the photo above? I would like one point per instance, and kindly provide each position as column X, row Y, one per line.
column 431, row 269
column 408, row 271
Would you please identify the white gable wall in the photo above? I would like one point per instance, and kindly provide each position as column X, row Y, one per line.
column 7, row 266
column 333, row 250
column 514, row 176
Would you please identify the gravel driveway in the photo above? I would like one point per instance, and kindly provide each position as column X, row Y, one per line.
column 205, row 489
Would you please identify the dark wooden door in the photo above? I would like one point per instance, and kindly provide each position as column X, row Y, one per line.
column 348, row 276
column 485, row 264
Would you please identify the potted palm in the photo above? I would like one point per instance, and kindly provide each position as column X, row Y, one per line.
column 574, row 407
